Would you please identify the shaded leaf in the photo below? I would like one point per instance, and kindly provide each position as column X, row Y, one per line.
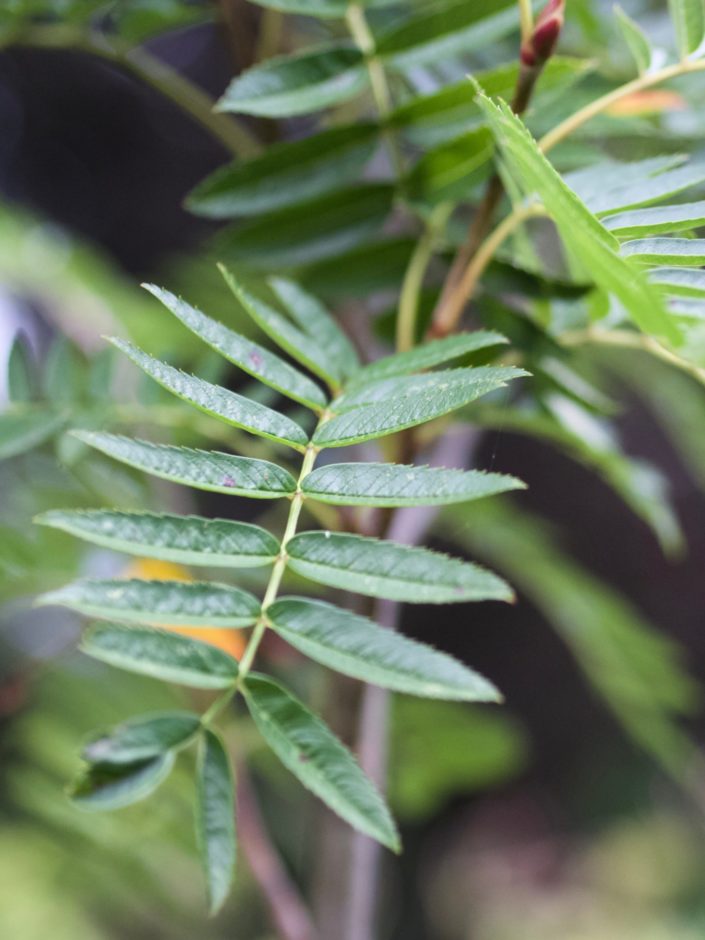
column 21, row 431
column 310, row 231
column 297, row 84
column 286, row 174
column 215, row 818
column 113, row 786
column 142, row 738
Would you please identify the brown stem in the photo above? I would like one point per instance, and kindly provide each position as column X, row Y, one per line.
column 446, row 315
column 408, row 527
column 288, row 910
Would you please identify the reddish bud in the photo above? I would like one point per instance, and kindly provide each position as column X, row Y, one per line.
column 540, row 46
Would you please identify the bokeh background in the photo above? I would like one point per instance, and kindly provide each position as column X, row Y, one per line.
column 545, row 819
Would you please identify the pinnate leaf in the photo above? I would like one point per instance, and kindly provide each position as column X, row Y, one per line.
column 312, row 753
column 142, row 738
column 113, row 786
column 187, row 540
column 394, row 404
column 382, row 484
column 286, row 174
column 357, row 647
column 215, row 818
column 202, row 469
column 297, row 84
column 162, row 655
column 379, row 568
column 669, row 251
column 219, row 402
column 248, row 355
column 187, row 603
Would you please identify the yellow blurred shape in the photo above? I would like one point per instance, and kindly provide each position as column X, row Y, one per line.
column 647, row 102
column 231, row 641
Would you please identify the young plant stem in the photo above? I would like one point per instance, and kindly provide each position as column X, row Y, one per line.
column 526, row 20
column 571, row 124
column 410, row 295
column 446, row 314
column 236, row 139
column 365, row 41
column 628, row 339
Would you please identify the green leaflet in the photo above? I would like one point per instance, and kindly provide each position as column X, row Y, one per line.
column 142, row 738
column 639, row 46
column 313, row 318
column 381, row 484
column 280, row 328
column 297, row 84
column 670, row 251
column 113, row 786
column 688, row 282
column 215, row 818
column 379, row 568
column 162, row 655
column 678, row 218
column 357, row 647
column 394, row 404
column 594, row 248
column 186, row 603
column 426, row 356
column 311, row 231
column 378, row 264
column 187, row 540
column 20, row 372
column 455, row 29
column 312, row 753
column 217, row 401
column 610, row 177
column 286, row 174
column 202, row 469
column 451, row 170
column 248, row 355
column 430, row 120
column 689, row 21
column 641, row 192
column 20, row 431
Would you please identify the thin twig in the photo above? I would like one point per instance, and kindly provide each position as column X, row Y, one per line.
column 407, row 526
column 288, row 911
column 446, row 314
column 154, row 72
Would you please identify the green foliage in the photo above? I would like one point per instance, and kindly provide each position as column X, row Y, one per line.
column 319, row 216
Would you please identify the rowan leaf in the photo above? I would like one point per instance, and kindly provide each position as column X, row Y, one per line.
column 357, row 647
column 186, row 540
column 202, row 469
column 379, row 568
column 382, row 484
column 297, row 84
column 114, row 786
column 215, row 818
column 217, row 401
column 161, row 655
column 133, row 600
column 142, row 738
column 304, row 744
